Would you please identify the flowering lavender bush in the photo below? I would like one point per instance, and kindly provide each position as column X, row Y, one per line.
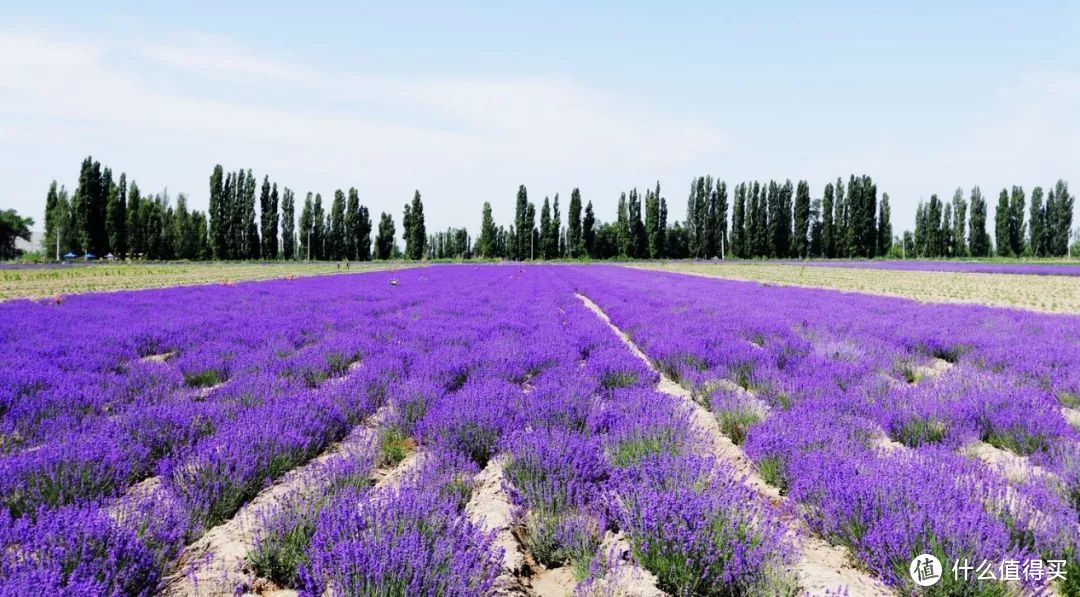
column 699, row 529
column 406, row 540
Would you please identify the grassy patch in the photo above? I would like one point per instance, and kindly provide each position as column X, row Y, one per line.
column 772, row 472
column 203, row 379
column 632, row 451
column 1016, row 440
column 618, row 379
column 734, row 423
column 394, row 446
column 918, row 431
column 1069, row 399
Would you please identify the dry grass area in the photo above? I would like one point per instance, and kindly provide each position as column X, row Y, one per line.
column 41, row 282
column 1052, row 294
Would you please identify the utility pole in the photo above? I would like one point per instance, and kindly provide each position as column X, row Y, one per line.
column 309, row 245
column 59, row 233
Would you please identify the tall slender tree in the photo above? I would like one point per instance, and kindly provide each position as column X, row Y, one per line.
column 588, row 232
column 884, row 231
column 828, row 231
column 802, row 220
column 547, row 237
column 1017, row 229
column 288, row 224
column 384, row 241
column 978, row 238
column 573, row 225
column 216, row 213
column 1036, row 224
column 959, row 212
column 1061, row 222
column 738, row 221
column 1002, row 216
column 116, row 218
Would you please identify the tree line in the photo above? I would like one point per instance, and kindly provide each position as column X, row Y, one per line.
column 107, row 216
column 943, row 228
column 753, row 219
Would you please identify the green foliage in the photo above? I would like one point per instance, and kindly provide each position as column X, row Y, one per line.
column 394, row 446
column 735, row 422
column 918, row 432
column 203, row 379
column 772, row 472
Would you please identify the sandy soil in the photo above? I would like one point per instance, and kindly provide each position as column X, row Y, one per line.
column 489, row 508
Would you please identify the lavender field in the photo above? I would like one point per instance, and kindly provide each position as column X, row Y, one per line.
column 533, row 430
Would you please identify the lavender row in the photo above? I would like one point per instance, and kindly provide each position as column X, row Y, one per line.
column 813, row 380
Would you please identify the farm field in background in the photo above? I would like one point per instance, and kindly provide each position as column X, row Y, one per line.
column 1031, row 268
column 533, row 429
column 51, row 280
column 1052, row 294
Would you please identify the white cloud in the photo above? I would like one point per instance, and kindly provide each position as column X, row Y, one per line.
column 461, row 140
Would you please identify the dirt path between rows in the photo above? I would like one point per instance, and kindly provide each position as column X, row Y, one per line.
column 821, row 567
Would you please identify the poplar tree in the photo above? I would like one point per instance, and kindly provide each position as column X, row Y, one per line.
column 639, row 241
column 288, row 224
column 415, row 230
column 136, row 235
column 545, row 230
column 318, row 229
column 336, row 239
column 485, row 244
column 828, row 230
column 622, row 231
column 978, row 238
column 588, row 233
column 116, row 216
column 556, row 225
column 738, row 221
column 652, row 223
column 1017, row 229
column 1001, row 225
column 662, row 224
column 522, row 232
column 884, row 231
column 252, row 244
column 384, row 240
column 960, row 206
column 573, row 225
column 216, row 213
column 264, row 216
column 363, row 234
column 802, row 220
column 307, row 228
column 1037, row 224
column 1061, row 221
column 54, row 220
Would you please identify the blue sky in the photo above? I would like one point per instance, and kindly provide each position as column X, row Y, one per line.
column 466, row 102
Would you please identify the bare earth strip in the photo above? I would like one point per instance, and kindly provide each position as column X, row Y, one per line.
column 489, row 508
column 1051, row 294
column 43, row 282
column 821, row 567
